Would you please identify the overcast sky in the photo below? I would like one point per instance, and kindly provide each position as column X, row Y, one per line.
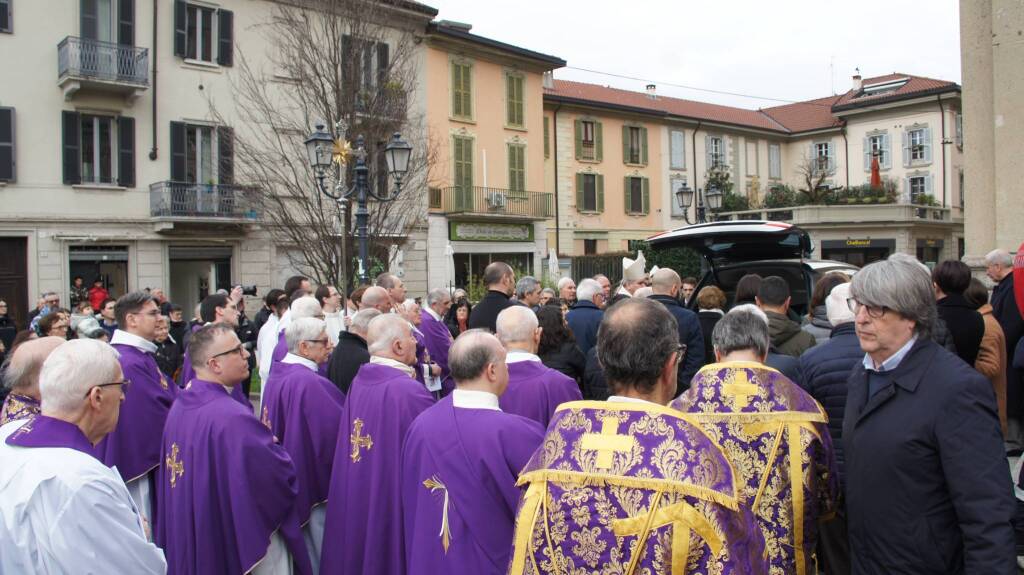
column 784, row 49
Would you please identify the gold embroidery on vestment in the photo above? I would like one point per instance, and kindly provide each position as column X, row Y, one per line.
column 607, row 442
column 177, row 468
column 359, row 440
column 683, row 518
column 433, row 484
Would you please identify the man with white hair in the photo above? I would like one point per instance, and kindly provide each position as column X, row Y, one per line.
column 606, row 285
column 753, row 411
column 303, row 411
column 528, row 292
column 1008, row 314
column 351, row 352
column 226, row 487
column 437, row 336
column 303, row 307
column 534, row 390
column 424, row 366
column 63, row 510
column 22, row 378
column 567, row 291
column 585, row 317
column 364, row 510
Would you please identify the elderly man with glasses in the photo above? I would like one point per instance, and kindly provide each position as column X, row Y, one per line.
column 927, row 484
column 133, row 448
column 63, row 510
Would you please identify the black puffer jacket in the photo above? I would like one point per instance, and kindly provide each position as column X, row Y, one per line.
column 825, row 369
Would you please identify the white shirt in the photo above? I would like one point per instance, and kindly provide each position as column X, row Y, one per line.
column 265, row 343
column 63, row 511
column 125, row 338
column 407, row 369
column 473, row 399
column 624, row 399
column 516, row 356
column 335, row 325
column 299, row 360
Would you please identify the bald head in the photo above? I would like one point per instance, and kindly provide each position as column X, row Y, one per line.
column 477, row 362
column 665, row 282
column 22, row 375
column 376, row 297
column 390, row 336
column 517, row 328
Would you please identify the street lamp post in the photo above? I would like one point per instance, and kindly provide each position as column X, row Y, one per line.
column 324, row 150
column 708, row 200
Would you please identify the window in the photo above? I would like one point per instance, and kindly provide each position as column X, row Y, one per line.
column 918, row 188
column 877, row 144
column 547, row 138
column 462, row 90
column 959, row 122
column 634, row 145
column 7, row 145
column 917, row 146
column 514, row 100
column 590, row 247
column 751, row 157
column 6, row 22
column 202, row 154
column 462, row 153
column 674, row 185
column 715, row 148
column 517, row 168
column 774, row 161
column 98, row 149
column 822, row 156
column 961, row 186
column 203, row 33
column 677, row 149
column 637, row 195
column 199, row 166
column 588, row 140
column 589, row 193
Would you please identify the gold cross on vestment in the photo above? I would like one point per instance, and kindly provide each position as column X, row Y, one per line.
column 741, row 389
column 684, row 519
column 359, row 440
column 607, row 442
column 177, row 468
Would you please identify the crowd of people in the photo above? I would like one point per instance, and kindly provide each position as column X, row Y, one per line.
column 644, row 427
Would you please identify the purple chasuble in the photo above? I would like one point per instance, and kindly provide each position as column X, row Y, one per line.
column 535, row 391
column 438, row 340
column 188, row 374
column 459, row 494
column 225, row 487
column 622, row 487
column 421, row 354
column 134, row 445
column 18, row 406
column 776, row 436
column 363, row 527
column 45, row 431
column 303, row 411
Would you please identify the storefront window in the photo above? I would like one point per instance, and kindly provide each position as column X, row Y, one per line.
column 470, row 267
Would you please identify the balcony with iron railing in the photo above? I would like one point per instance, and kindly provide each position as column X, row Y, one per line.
column 214, row 203
column 879, row 213
column 94, row 65
column 497, row 202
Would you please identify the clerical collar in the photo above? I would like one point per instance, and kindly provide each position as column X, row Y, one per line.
column 517, row 356
column 299, row 360
column 624, row 399
column 893, row 361
column 388, row 362
column 45, row 431
column 121, row 337
column 473, row 399
column 432, row 313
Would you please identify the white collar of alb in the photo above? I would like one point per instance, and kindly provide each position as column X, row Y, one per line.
column 432, row 313
column 387, row 361
column 624, row 399
column 299, row 360
column 517, row 356
column 473, row 399
column 124, row 338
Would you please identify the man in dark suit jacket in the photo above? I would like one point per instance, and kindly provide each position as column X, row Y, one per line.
column 585, row 317
column 1006, row 312
column 666, row 285
column 351, row 352
column 500, row 281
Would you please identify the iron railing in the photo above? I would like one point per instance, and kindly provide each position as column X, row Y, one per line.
column 107, row 61
column 187, row 200
column 493, row 201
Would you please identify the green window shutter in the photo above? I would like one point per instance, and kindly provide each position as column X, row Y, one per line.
column 579, row 139
column 646, row 189
column 516, row 101
column 626, row 189
column 599, row 184
column 598, row 142
column 547, row 136
column 510, row 97
column 467, row 91
column 643, row 147
column 456, row 86
column 579, row 192
column 625, row 144
column 511, row 167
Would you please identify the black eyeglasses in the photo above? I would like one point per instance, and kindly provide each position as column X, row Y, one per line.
column 873, row 311
column 237, row 349
column 124, row 386
column 680, row 353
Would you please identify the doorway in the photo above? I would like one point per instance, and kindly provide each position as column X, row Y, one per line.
column 14, row 279
column 196, row 272
column 106, row 263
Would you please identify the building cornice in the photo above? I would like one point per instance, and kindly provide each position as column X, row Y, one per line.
column 951, row 91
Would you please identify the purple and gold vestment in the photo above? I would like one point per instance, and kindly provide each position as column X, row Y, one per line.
column 776, row 435
column 622, row 487
column 17, row 406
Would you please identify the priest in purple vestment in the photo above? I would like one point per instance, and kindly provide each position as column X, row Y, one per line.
column 364, row 518
column 303, row 411
column 22, row 377
column 227, row 490
column 217, row 308
column 534, row 390
column 412, row 313
column 303, row 307
column 775, row 434
column 134, row 445
column 459, row 467
column 436, row 333
column 628, row 485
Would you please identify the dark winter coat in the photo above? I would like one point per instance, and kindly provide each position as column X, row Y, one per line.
column 825, row 369
column 594, row 384
column 567, row 359
column 965, row 324
column 787, row 365
column 1004, row 309
column 584, row 318
column 819, row 326
column 690, row 335
column 348, row 356
column 786, row 335
column 485, row 313
column 926, row 477
column 708, row 319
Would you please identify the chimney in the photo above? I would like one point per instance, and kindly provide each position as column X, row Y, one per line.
column 857, row 83
column 652, row 91
column 548, row 80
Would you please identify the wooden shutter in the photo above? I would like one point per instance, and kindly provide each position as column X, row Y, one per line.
column 625, row 144
column 628, row 196
column 225, row 155
column 645, row 188
column 867, row 155
column 598, row 141
column 126, row 22
column 178, row 151
column 886, row 152
column 465, row 93
column 72, row 133
column 926, row 141
column 599, row 187
column 383, row 63
column 7, row 173
column 709, row 158
column 578, row 125
column 547, row 137
column 906, row 149
column 928, row 186
column 831, row 156
column 579, row 192
column 643, row 146
column 225, row 38
column 456, row 90
column 126, row 152
column 180, row 23
column 516, row 175
column 5, row 16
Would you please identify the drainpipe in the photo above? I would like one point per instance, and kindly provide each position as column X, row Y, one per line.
column 156, row 6
column 693, row 151
column 554, row 154
column 942, row 149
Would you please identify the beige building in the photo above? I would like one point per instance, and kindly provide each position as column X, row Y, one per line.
column 993, row 69
column 619, row 156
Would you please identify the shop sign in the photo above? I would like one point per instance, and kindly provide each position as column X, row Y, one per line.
column 489, row 232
